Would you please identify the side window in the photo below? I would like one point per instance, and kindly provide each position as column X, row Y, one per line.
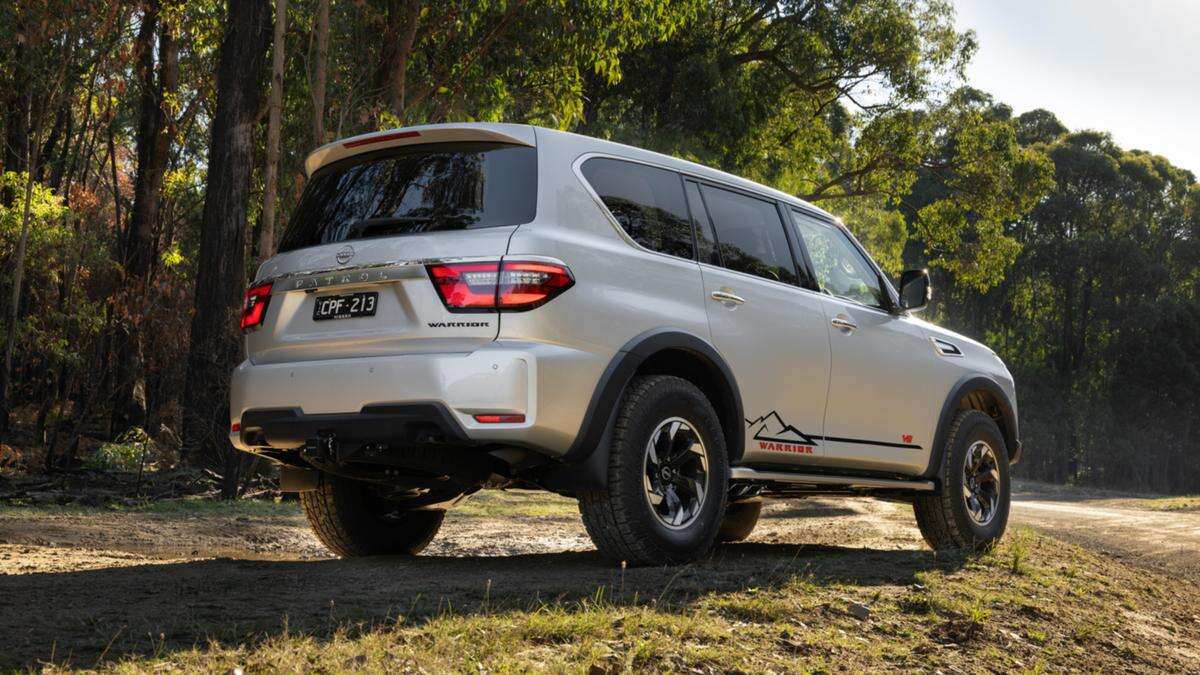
column 750, row 235
column 706, row 241
column 647, row 202
column 841, row 269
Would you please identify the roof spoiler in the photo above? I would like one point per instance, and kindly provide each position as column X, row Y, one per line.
column 518, row 134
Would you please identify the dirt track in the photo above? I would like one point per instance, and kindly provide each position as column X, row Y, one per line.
column 83, row 583
column 1169, row 540
column 133, row 582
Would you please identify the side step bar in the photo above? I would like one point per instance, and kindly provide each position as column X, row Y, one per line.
column 852, row 482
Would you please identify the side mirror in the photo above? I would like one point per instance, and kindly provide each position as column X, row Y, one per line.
column 914, row 290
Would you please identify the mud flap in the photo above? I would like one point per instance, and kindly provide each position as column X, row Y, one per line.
column 587, row 474
column 296, row 479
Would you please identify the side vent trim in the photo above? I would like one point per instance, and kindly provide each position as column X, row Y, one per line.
column 946, row 348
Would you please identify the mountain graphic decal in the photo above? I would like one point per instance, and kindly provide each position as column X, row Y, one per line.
column 772, row 428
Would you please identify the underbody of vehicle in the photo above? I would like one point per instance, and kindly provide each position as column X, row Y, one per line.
column 457, row 307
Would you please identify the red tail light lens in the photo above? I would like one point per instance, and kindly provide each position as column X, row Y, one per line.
column 466, row 287
column 254, row 309
column 525, row 285
column 511, row 285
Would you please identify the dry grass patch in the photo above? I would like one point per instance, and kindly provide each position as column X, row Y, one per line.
column 1034, row 603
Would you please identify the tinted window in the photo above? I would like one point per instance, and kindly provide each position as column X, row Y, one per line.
column 413, row 189
column 750, row 235
column 841, row 268
column 705, row 239
column 647, row 202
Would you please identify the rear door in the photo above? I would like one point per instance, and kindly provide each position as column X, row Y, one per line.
column 351, row 276
column 770, row 331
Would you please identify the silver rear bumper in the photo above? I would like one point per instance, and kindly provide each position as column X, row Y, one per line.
column 502, row 378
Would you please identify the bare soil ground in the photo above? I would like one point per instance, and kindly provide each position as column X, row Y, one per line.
column 1158, row 532
column 512, row 582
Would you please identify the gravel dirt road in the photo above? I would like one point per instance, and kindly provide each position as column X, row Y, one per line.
column 1169, row 540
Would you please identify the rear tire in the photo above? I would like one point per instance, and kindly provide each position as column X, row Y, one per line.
column 352, row 521
column 661, row 507
column 740, row 520
column 971, row 510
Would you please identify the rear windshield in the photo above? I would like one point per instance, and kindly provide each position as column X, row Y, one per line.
column 413, row 189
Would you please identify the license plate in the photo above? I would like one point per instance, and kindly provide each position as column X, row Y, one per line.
column 345, row 306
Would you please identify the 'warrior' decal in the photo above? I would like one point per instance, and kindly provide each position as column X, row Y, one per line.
column 775, row 435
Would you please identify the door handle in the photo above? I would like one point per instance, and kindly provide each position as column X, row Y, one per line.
column 724, row 296
column 843, row 322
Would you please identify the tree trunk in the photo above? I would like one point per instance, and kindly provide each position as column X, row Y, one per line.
column 16, row 126
column 220, row 274
column 153, row 149
column 10, row 332
column 266, row 235
column 399, row 66
column 318, row 85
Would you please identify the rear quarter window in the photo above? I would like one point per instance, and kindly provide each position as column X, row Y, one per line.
column 647, row 202
column 414, row 189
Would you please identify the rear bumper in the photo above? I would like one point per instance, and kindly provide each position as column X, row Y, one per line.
column 550, row 385
column 408, row 424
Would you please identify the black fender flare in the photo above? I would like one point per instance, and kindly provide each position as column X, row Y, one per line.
column 1008, row 416
column 585, row 464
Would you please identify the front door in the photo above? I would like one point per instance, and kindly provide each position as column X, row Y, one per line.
column 879, row 398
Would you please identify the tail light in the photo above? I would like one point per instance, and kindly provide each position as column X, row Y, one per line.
column 254, row 309
column 509, row 285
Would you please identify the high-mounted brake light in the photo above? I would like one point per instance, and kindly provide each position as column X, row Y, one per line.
column 381, row 138
column 254, row 309
column 511, row 285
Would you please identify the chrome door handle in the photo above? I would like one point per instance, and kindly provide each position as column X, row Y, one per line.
column 843, row 322
column 722, row 296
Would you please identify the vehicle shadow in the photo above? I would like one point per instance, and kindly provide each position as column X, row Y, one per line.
column 82, row 616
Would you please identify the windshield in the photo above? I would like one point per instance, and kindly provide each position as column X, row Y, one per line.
column 415, row 189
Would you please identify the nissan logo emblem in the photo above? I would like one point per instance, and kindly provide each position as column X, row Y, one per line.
column 345, row 255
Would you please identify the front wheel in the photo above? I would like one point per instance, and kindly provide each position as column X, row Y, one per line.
column 971, row 511
column 668, row 475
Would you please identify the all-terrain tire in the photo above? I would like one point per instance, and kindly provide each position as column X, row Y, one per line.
column 352, row 521
column 944, row 518
column 739, row 521
column 620, row 519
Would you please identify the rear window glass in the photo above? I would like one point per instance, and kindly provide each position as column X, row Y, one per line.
column 414, row 189
column 647, row 202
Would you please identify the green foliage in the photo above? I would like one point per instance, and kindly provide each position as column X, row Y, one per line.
column 48, row 229
column 132, row 451
column 1099, row 313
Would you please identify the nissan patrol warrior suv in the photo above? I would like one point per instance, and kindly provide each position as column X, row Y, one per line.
column 462, row 306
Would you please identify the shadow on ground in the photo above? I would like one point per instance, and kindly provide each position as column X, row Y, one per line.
column 81, row 615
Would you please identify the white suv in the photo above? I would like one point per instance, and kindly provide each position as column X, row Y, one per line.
column 463, row 306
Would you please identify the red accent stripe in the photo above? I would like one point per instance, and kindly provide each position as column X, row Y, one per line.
column 380, row 139
column 235, row 427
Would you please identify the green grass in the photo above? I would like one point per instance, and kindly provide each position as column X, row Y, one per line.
column 1185, row 503
column 182, row 507
column 954, row 615
column 485, row 504
column 517, row 503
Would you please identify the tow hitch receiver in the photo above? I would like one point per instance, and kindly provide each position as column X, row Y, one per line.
column 323, row 448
